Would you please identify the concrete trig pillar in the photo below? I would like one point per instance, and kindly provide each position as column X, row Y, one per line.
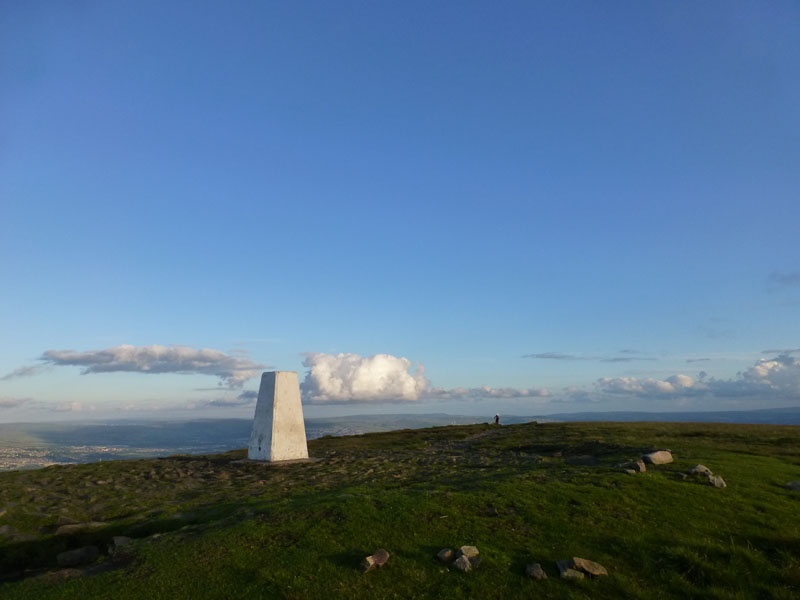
column 279, row 431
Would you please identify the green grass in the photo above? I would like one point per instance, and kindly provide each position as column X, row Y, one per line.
column 212, row 527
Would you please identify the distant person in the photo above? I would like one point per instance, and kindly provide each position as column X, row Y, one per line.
column 497, row 419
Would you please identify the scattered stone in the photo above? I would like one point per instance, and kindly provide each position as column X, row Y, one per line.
column 659, row 457
column 716, row 481
column 700, row 470
column 375, row 561
column 630, row 471
column 638, row 466
column 468, row 551
column 462, row 564
column 119, row 541
column 681, row 476
column 588, row 566
column 62, row 520
column 583, row 460
column 2, row 511
column 445, row 554
column 474, row 561
column 794, row 486
column 80, row 556
column 567, row 572
column 535, row 571
column 76, row 527
column 62, row 574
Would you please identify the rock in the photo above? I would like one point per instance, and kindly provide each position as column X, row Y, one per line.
column 583, row 460
column 62, row 520
column 2, row 511
column 716, row 481
column 659, row 457
column 117, row 542
column 462, row 564
column 76, row 527
column 630, row 471
column 446, row 554
column 474, row 561
column 468, row 551
column 81, row 556
column 535, row 571
column 375, row 561
column 794, row 486
column 681, row 476
column 62, row 574
column 638, row 466
column 588, row 566
column 700, row 470
column 566, row 570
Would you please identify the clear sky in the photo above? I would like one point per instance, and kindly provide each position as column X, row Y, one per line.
column 578, row 205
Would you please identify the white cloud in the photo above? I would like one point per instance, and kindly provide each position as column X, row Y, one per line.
column 350, row 378
column 71, row 407
column 233, row 370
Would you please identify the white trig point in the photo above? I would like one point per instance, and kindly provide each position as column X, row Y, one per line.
column 279, row 431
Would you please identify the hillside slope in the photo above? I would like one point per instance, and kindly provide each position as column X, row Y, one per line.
column 220, row 527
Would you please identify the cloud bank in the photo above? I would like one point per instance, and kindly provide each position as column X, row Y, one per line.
column 769, row 378
column 611, row 359
column 354, row 379
column 24, row 372
column 232, row 370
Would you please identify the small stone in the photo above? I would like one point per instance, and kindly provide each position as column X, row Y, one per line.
column 700, row 470
column 535, row 571
column 794, row 486
column 81, row 556
column 2, row 511
column 566, row 570
column 630, row 471
column 62, row 520
column 681, row 476
column 588, row 566
column 117, row 542
column 468, row 551
column 445, row 554
column 462, row 564
column 659, row 457
column 62, row 574
column 374, row 561
column 638, row 466
column 474, row 561
column 76, row 527
column 716, row 481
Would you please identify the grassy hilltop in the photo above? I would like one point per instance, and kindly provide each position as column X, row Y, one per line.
column 219, row 527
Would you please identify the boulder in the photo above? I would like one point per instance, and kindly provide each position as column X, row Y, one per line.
column 117, row 542
column 567, row 572
column 794, row 486
column 535, row 571
column 80, row 556
column 659, row 457
column 588, row 566
column 700, row 470
column 462, row 564
column 638, row 466
column 446, row 555
column 468, row 551
column 716, row 481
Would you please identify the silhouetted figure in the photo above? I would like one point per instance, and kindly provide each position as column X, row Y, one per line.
column 497, row 419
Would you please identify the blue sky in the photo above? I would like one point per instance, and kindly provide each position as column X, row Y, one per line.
column 572, row 203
